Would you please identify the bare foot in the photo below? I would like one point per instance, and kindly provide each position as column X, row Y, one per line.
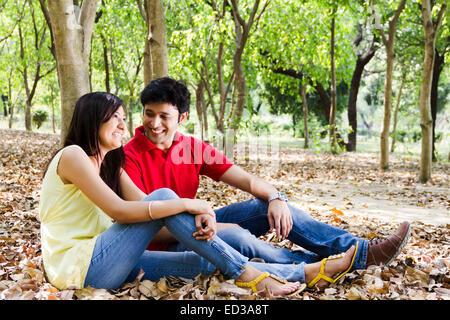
column 332, row 268
column 274, row 286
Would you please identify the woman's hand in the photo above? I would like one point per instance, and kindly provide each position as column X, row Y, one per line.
column 197, row 206
column 206, row 227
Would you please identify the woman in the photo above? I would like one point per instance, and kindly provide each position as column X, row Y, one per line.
column 95, row 226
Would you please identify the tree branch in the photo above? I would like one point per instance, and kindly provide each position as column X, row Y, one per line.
column 141, row 10
column 440, row 15
column 49, row 24
column 87, row 18
column 46, row 13
column 377, row 22
column 252, row 15
column 260, row 14
column 21, row 15
column 235, row 8
column 399, row 10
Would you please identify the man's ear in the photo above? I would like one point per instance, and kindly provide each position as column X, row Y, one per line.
column 183, row 118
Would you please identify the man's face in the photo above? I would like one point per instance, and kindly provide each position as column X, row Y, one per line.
column 161, row 121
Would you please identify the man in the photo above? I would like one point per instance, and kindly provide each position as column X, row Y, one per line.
column 159, row 156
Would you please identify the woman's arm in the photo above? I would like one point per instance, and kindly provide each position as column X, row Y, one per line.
column 129, row 190
column 76, row 168
column 205, row 223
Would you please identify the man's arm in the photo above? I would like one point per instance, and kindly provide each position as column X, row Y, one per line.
column 278, row 213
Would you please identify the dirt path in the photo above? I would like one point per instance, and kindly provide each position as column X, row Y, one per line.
column 353, row 184
column 383, row 202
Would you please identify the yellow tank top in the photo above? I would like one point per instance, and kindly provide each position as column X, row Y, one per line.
column 70, row 224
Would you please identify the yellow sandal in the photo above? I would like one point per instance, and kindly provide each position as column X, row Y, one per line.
column 252, row 284
column 321, row 274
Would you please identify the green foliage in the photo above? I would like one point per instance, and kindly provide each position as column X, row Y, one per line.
column 39, row 117
column 291, row 35
column 414, row 136
column 189, row 126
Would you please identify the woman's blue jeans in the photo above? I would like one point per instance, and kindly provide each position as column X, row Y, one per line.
column 320, row 239
column 119, row 253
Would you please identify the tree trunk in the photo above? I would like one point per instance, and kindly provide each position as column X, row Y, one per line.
column 332, row 123
column 52, row 98
column 240, row 85
column 11, row 117
column 155, row 55
column 130, row 117
column 72, row 29
column 352, row 114
column 199, row 96
column 294, row 124
column 27, row 112
column 5, row 108
column 11, row 105
column 397, row 106
column 390, row 55
column 106, row 63
column 384, row 138
column 115, row 72
column 426, row 120
column 305, row 117
column 242, row 29
column 438, row 66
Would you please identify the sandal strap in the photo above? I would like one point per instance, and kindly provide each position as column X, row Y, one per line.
column 278, row 279
column 321, row 274
column 350, row 266
column 252, row 284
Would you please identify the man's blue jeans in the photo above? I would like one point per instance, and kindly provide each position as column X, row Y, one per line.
column 320, row 239
column 119, row 253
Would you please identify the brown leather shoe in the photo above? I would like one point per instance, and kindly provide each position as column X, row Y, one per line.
column 385, row 251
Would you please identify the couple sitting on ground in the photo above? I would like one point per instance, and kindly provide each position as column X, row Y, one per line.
column 107, row 211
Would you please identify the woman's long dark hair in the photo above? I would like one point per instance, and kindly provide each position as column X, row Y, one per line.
column 91, row 111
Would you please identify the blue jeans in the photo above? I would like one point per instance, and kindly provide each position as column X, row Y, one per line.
column 119, row 253
column 320, row 239
column 248, row 245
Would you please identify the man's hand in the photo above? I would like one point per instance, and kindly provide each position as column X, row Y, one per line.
column 206, row 227
column 278, row 214
column 280, row 218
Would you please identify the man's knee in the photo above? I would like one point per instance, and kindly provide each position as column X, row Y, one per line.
column 234, row 234
column 163, row 194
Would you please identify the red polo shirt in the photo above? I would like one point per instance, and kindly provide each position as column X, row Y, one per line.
column 178, row 168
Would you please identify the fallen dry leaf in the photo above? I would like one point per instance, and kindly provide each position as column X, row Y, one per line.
column 323, row 185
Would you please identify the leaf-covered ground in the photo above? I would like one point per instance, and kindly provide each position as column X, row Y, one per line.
column 347, row 190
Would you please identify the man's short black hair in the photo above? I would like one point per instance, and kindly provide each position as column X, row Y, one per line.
column 167, row 90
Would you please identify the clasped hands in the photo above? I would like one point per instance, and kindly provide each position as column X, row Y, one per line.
column 205, row 219
column 279, row 217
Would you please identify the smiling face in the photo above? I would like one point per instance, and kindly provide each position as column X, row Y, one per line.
column 161, row 121
column 112, row 131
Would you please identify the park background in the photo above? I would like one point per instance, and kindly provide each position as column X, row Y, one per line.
column 354, row 95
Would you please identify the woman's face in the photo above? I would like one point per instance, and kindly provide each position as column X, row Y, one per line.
column 112, row 131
